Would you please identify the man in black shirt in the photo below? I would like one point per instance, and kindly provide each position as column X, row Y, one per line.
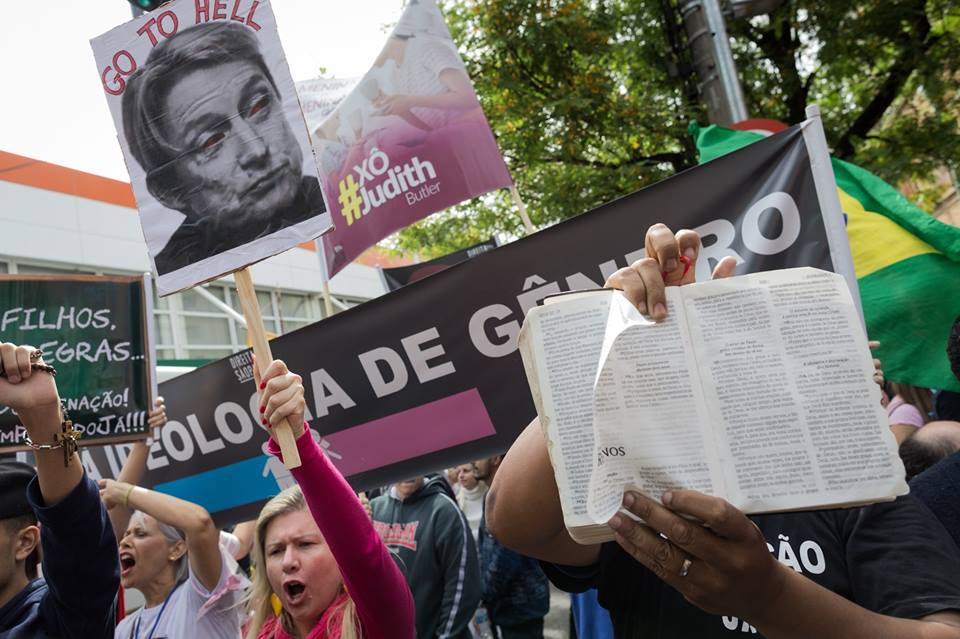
column 869, row 555
column 700, row 568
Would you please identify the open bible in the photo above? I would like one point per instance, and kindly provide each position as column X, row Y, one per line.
column 758, row 389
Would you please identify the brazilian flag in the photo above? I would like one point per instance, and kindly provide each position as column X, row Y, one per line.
column 907, row 265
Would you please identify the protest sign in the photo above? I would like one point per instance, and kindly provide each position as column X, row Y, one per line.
column 93, row 330
column 429, row 376
column 411, row 139
column 319, row 98
column 213, row 136
column 394, row 278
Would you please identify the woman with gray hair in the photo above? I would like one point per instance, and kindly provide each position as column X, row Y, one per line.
column 171, row 553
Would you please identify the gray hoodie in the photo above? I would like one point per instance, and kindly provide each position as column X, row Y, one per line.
column 433, row 540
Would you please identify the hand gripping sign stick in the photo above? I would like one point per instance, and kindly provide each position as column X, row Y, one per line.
column 261, row 348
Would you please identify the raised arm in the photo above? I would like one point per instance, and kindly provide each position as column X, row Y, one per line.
column 80, row 560
column 523, row 505
column 202, row 537
column 136, row 465
column 383, row 599
column 708, row 550
column 244, row 532
column 33, row 395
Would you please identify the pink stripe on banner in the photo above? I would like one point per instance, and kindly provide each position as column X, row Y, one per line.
column 453, row 420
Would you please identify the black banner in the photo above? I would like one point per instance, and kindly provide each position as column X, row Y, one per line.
column 400, row 276
column 92, row 330
column 429, row 376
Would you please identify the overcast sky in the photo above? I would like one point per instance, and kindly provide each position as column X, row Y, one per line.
column 53, row 107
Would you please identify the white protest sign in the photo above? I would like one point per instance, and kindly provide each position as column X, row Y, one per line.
column 213, row 136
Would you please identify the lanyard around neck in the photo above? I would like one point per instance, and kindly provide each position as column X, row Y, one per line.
column 156, row 622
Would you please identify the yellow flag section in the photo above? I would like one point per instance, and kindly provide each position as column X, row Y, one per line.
column 874, row 249
column 907, row 265
column 908, row 270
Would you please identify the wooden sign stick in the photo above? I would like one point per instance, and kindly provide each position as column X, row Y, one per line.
column 261, row 348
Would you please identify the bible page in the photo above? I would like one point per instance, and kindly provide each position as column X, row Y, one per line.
column 788, row 378
column 651, row 430
column 560, row 344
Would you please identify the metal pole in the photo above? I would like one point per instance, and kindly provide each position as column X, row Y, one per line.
column 733, row 92
column 719, row 83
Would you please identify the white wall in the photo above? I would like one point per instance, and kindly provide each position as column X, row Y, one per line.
column 46, row 226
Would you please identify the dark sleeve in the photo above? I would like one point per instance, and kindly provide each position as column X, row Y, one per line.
column 572, row 578
column 81, row 563
column 901, row 561
column 938, row 488
column 460, row 568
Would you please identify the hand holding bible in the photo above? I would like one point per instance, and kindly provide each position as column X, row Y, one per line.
column 720, row 565
column 671, row 261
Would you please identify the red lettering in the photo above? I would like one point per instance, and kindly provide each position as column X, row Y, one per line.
column 171, row 17
column 116, row 85
column 253, row 9
column 219, row 10
column 146, row 28
column 119, row 84
column 233, row 13
column 203, row 8
column 119, row 56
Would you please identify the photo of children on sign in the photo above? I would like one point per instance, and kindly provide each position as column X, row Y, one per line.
column 213, row 136
column 409, row 140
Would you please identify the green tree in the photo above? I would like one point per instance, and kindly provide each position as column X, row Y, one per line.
column 590, row 99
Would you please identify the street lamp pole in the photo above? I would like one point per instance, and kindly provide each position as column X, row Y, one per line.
column 719, row 83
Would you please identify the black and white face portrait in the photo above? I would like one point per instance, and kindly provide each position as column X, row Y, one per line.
column 219, row 155
column 240, row 159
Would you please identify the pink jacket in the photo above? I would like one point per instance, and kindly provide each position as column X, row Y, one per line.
column 379, row 590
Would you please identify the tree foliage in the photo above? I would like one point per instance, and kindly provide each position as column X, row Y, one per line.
column 590, row 99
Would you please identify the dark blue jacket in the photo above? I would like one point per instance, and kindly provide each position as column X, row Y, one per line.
column 77, row 600
column 514, row 587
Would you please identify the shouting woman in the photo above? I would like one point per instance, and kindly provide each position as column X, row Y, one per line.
column 315, row 547
column 171, row 553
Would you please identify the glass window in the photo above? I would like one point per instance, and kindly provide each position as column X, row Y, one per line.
column 164, row 326
column 206, row 330
column 3, row 267
column 193, row 301
column 160, row 303
column 31, row 269
column 208, row 353
column 292, row 325
column 166, row 353
column 292, row 305
column 263, row 298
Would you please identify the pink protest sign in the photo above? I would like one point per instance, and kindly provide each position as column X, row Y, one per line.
column 410, row 139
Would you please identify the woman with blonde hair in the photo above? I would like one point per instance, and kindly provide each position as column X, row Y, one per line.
column 315, row 548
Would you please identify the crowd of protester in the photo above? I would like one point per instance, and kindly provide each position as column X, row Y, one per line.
column 469, row 553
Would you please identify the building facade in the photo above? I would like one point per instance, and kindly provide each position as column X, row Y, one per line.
column 57, row 220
